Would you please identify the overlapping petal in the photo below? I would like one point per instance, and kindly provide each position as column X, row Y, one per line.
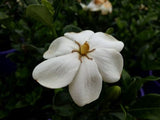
column 93, row 7
column 110, row 63
column 102, row 40
column 87, row 85
column 57, row 72
column 80, row 37
column 60, row 46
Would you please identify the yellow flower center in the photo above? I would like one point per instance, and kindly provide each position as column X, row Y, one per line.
column 83, row 50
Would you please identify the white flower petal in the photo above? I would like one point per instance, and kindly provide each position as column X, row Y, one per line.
column 106, row 8
column 57, row 72
column 80, row 37
column 84, row 7
column 87, row 85
column 110, row 63
column 93, row 7
column 60, row 46
column 102, row 40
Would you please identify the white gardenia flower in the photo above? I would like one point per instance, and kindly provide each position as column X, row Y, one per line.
column 104, row 6
column 81, row 60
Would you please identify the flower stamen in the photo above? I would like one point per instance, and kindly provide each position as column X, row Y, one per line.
column 89, row 57
column 78, row 44
column 91, row 50
column 83, row 50
column 75, row 51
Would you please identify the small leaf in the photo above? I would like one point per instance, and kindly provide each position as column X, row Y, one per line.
column 40, row 13
column 147, row 107
column 110, row 30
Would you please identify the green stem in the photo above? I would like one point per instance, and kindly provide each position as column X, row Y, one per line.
column 123, row 109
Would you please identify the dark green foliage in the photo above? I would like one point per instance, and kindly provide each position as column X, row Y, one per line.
column 149, row 105
column 29, row 26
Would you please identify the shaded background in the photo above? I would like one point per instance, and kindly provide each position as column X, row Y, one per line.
column 23, row 41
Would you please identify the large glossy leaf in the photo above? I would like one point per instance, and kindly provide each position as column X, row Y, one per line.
column 48, row 5
column 126, row 79
column 147, row 107
column 40, row 13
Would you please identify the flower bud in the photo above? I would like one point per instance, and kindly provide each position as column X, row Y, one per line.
column 113, row 93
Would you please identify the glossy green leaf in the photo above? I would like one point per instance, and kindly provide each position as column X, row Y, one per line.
column 40, row 13
column 126, row 78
